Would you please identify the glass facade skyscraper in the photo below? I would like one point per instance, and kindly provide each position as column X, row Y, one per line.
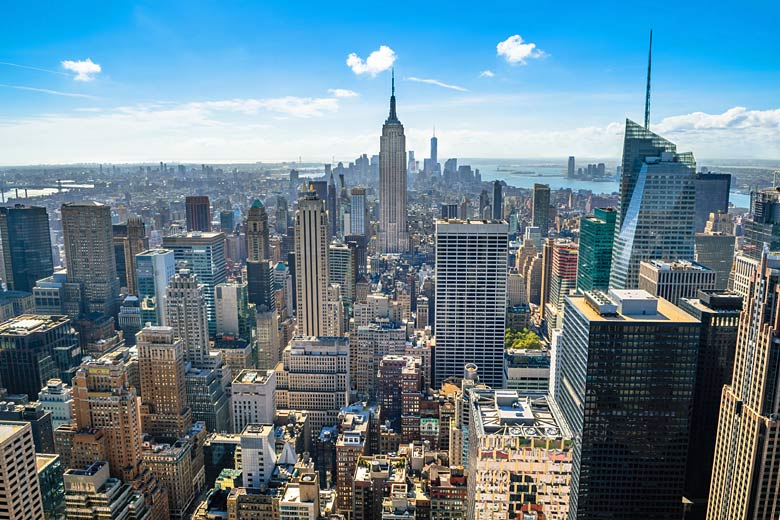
column 26, row 246
column 656, row 206
column 626, row 368
column 595, row 251
column 154, row 269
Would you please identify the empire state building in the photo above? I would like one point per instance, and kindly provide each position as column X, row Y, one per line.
column 393, row 234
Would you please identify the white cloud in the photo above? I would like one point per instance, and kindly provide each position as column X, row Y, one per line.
column 733, row 118
column 486, row 74
column 515, row 50
column 85, row 70
column 288, row 105
column 378, row 61
column 342, row 92
column 437, row 83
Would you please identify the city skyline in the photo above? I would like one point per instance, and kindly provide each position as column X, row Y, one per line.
column 522, row 85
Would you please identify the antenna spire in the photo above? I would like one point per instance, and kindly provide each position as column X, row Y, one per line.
column 392, row 88
column 647, row 93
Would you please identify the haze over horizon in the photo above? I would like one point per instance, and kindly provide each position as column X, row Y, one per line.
column 234, row 82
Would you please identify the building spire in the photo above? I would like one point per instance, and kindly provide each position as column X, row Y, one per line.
column 392, row 118
column 647, row 93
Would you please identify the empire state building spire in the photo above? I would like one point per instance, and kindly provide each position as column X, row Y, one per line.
column 392, row 119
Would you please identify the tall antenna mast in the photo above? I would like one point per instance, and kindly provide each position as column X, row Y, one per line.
column 647, row 94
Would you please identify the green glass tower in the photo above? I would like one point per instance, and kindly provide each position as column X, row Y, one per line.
column 595, row 257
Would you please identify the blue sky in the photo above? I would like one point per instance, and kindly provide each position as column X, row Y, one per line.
column 246, row 81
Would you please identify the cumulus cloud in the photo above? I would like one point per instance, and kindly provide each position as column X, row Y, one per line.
column 733, row 118
column 342, row 92
column 437, row 83
column 85, row 70
column 486, row 74
column 376, row 62
column 302, row 107
column 516, row 50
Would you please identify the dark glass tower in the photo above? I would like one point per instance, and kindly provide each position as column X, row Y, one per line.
column 198, row 213
column 498, row 201
column 627, row 370
column 595, row 251
column 26, row 246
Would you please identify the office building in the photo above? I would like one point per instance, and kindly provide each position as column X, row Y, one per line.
column 498, row 201
column 257, row 233
column 718, row 313
column 129, row 319
column 234, row 316
column 56, row 399
column 375, row 477
column 762, row 224
column 129, row 240
column 227, row 221
column 520, row 457
column 104, row 400
column 540, row 208
column 314, row 376
column 207, row 399
column 342, row 269
column 204, row 254
column 198, row 213
column 562, row 280
column 358, row 215
column 368, row 345
column 393, row 235
column 301, row 499
column 571, row 169
column 675, row 280
column 34, row 349
column 186, row 313
column 92, row 493
column 471, row 293
column 712, row 196
column 50, row 473
column 311, row 264
column 527, row 370
column 715, row 250
column 268, row 340
column 630, row 460
column 175, row 468
column 253, row 398
column 37, row 417
column 164, row 409
column 154, row 268
column 594, row 260
column 89, row 254
column 745, row 469
column 20, row 493
column 25, row 246
column 260, row 284
column 258, row 455
column 282, row 215
column 656, row 205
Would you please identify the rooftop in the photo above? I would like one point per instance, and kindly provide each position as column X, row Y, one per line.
column 506, row 412
column 253, row 377
column 676, row 265
column 9, row 429
column 627, row 306
column 27, row 324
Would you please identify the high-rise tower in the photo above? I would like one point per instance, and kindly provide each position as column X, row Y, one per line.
column 311, row 264
column 393, row 234
column 746, row 469
column 257, row 232
column 656, row 206
column 25, row 246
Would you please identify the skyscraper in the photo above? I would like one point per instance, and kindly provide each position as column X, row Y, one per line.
column 282, row 215
column 393, row 234
column 198, row 213
column 164, row 410
column 20, row 493
column 185, row 311
column 434, row 149
column 540, row 208
column 762, row 225
column 627, row 370
column 746, row 472
column 257, row 232
column 333, row 212
column 571, row 167
column 358, row 215
column 674, row 280
column 154, row 269
column 26, row 246
column 656, row 206
column 89, row 253
column 129, row 240
column 471, row 292
column 716, row 251
column 712, row 196
column 498, row 201
column 204, row 254
column 311, row 264
column 595, row 250
column 719, row 315
column 563, row 280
